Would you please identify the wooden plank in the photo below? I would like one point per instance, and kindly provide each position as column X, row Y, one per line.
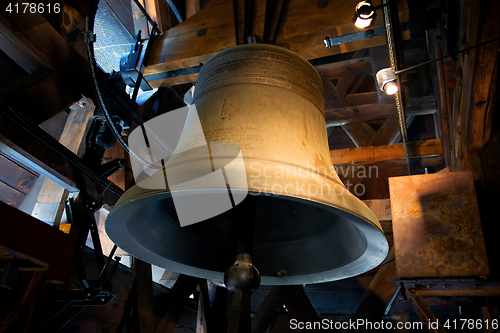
column 183, row 287
column 192, row 7
column 29, row 145
column 10, row 195
column 387, row 133
column 140, row 21
column 31, row 198
column 372, row 176
column 303, row 29
column 144, row 292
column 485, row 80
column 352, row 114
column 300, row 307
column 362, row 98
column 39, row 35
column 34, row 240
column 346, row 82
column 379, row 294
column 175, row 80
column 332, row 70
column 381, row 208
column 15, row 175
column 361, row 79
column 269, row 309
column 123, row 11
column 40, row 96
column 158, row 11
column 361, row 134
column 333, row 99
column 50, row 203
column 19, row 318
column 20, row 53
column 386, row 153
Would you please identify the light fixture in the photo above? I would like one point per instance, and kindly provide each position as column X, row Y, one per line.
column 386, row 79
column 364, row 14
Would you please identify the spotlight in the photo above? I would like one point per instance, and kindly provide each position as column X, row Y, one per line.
column 386, row 80
column 364, row 14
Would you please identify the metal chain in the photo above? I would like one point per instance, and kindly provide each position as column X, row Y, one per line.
column 399, row 106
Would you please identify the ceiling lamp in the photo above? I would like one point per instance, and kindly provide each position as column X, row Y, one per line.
column 386, row 80
column 364, row 14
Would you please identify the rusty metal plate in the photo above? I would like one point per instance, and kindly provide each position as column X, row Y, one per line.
column 436, row 225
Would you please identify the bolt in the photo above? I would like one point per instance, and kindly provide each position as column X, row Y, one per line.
column 322, row 4
column 412, row 290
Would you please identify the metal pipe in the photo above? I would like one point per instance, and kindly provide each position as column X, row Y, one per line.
column 280, row 18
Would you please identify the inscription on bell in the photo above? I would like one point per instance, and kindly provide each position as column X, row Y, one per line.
column 224, row 109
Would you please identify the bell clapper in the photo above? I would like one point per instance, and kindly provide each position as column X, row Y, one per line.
column 242, row 278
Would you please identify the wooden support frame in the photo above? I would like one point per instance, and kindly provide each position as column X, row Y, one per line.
column 269, row 309
column 22, row 139
column 386, row 153
column 303, row 30
column 38, row 242
column 380, row 293
column 352, row 114
column 423, row 310
column 180, row 293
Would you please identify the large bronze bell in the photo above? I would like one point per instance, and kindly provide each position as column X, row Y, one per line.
column 308, row 228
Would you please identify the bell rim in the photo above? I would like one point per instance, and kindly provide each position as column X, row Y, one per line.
column 376, row 250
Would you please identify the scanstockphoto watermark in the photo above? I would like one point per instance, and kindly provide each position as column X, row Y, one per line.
column 355, row 325
column 308, row 180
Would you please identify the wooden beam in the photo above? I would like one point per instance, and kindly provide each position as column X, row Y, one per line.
column 485, row 81
column 36, row 33
column 269, row 309
column 192, row 7
column 144, row 291
column 140, row 22
column 300, row 307
column 361, row 79
column 32, row 239
column 20, row 316
column 28, row 144
column 50, row 203
column 183, row 287
column 352, row 114
column 40, row 96
column 381, row 208
column 379, row 294
column 303, row 30
column 386, row 153
column 357, row 99
column 158, row 10
column 346, row 82
column 359, row 66
column 333, row 98
column 387, row 133
column 361, row 134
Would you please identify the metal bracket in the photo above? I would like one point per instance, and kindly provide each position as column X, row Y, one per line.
column 131, row 64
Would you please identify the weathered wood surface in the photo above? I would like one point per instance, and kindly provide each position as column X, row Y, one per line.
column 353, row 114
column 485, row 80
column 303, row 30
column 386, row 153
